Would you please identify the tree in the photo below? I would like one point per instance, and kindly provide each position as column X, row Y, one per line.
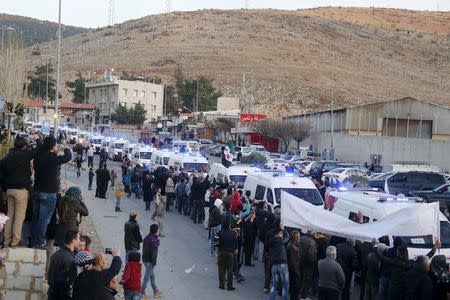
column 121, row 114
column 275, row 129
column 77, row 88
column 138, row 114
column 37, row 83
column 12, row 72
column 300, row 131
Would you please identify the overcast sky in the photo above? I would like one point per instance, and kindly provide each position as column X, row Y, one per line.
column 94, row 13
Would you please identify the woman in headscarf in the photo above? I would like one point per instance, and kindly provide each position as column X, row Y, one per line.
column 70, row 210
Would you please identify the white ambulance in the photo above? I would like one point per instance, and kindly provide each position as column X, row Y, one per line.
column 189, row 162
column 236, row 173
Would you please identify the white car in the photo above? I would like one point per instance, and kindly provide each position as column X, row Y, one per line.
column 276, row 164
column 303, row 166
column 342, row 174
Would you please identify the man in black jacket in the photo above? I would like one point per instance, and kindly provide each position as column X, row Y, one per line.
column 62, row 271
column 133, row 238
column 91, row 284
column 278, row 258
column 227, row 244
column 214, row 221
column 15, row 169
column 347, row 257
column 46, row 168
column 149, row 258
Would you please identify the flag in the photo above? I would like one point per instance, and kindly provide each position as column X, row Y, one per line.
column 231, row 146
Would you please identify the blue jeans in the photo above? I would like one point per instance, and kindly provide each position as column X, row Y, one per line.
column 149, row 274
column 213, row 232
column 197, row 211
column 43, row 207
column 132, row 295
column 383, row 288
column 282, row 271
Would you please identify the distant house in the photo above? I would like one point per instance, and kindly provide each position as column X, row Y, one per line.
column 108, row 94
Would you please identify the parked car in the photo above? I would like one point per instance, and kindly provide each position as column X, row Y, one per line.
column 319, row 167
column 275, row 163
column 342, row 174
column 406, row 182
column 440, row 194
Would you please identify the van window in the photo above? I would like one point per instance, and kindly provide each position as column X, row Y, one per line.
column 269, row 196
column 176, row 165
column 354, row 217
column 435, row 178
column 220, row 177
column 260, row 190
column 309, row 195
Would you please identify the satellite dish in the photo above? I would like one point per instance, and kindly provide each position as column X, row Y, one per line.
column 249, row 99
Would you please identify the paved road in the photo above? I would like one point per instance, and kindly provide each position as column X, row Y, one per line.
column 184, row 245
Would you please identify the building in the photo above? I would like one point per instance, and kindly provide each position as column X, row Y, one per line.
column 108, row 94
column 74, row 113
column 406, row 117
column 402, row 130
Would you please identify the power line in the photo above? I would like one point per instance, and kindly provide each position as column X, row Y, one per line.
column 112, row 13
column 169, row 5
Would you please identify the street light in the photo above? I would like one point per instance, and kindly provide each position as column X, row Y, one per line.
column 58, row 69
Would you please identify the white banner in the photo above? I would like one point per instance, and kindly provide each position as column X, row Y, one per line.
column 416, row 220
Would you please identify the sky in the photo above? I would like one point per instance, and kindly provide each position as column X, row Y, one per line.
column 94, row 13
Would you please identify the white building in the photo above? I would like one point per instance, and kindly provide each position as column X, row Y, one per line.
column 108, row 94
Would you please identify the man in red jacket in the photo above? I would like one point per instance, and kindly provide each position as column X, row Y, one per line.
column 131, row 278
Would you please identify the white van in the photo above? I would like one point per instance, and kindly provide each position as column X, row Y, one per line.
column 189, row 162
column 128, row 150
column 191, row 146
column 96, row 141
column 72, row 135
column 267, row 185
column 377, row 205
column 236, row 173
column 160, row 158
column 409, row 167
column 106, row 143
column 142, row 155
column 116, row 149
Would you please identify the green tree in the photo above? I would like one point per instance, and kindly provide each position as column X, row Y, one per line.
column 37, row 83
column 121, row 114
column 77, row 88
column 138, row 114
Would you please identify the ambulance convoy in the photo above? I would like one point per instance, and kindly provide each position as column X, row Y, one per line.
column 267, row 185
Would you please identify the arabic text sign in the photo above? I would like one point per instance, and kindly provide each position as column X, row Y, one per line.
column 252, row 118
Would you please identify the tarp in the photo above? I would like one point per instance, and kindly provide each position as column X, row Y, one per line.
column 415, row 220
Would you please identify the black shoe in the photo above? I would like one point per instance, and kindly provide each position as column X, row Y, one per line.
column 240, row 279
column 249, row 265
column 230, row 288
column 221, row 287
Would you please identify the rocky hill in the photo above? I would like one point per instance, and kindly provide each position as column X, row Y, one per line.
column 35, row 31
column 288, row 56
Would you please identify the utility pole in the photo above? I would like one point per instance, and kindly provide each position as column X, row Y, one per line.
column 58, row 69
column 46, row 86
column 332, row 103
column 196, row 102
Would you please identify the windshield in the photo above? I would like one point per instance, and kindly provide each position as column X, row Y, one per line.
column 145, row 155
column 97, row 141
column 166, row 160
column 338, row 170
column 239, row 179
column 193, row 146
column 119, row 145
column 310, row 195
column 199, row 167
column 37, row 126
column 72, row 132
column 426, row 241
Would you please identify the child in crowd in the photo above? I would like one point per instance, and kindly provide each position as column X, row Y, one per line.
column 119, row 193
column 131, row 278
column 160, row 211
column 91, row 176
column 113, row 179
column 85, row 243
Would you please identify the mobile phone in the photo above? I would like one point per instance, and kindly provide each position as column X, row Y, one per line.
column 108, row 251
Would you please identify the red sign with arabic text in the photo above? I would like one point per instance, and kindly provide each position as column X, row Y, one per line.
column 252, row 118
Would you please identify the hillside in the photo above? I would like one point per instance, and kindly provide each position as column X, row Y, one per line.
column 286, row 53
column 36, row 31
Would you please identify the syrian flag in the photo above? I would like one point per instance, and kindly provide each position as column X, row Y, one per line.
column 228, row 155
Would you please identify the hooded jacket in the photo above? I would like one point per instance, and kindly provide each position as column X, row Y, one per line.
column 215, row 218
column 132, row 276
column 150, row 249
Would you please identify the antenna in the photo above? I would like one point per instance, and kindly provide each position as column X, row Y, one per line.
column 168, row 6
column 112, row 13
